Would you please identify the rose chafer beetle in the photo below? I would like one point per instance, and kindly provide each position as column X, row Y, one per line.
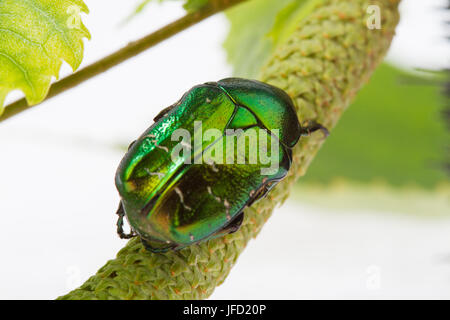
column 178, row 189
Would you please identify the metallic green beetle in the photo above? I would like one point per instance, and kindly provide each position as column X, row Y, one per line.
column 189, row 177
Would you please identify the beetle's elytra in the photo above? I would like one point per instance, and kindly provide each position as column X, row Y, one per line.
column 189, row 176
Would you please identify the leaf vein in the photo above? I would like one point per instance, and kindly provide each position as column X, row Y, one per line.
column 55, row 25
column 21, row 36
column 21, row 68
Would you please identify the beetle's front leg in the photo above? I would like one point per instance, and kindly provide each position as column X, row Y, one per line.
column 313, row 127
column 121, row 213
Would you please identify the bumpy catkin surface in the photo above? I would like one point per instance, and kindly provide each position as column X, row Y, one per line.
column 322, row 66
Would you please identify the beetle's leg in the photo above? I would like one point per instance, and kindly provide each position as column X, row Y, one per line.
column 313, row 127
column 121, row 214
column 233, row 226
column 261, row 193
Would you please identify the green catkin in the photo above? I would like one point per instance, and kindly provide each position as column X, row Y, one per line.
column 322, row 66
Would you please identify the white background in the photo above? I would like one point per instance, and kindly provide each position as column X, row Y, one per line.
column 57, row 165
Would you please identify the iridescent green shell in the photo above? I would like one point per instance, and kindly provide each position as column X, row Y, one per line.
column 172, row 202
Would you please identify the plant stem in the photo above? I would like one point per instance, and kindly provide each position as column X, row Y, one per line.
column 129, row 51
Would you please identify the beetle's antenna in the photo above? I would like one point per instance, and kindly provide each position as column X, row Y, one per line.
column 313, row 127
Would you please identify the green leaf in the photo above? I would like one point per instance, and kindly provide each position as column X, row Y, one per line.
column 248, row 45
column 289, row 17
column 35, row 37
column 395, row 132
column 257, row 27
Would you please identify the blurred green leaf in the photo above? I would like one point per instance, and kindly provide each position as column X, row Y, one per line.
column 394, row 131
column 346, row 196
column 257, row 27
column 248, row 44
column 289, row 17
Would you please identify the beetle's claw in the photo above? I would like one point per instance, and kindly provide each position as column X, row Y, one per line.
column 122, row 235
column 127, row 235
column 313, row 127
